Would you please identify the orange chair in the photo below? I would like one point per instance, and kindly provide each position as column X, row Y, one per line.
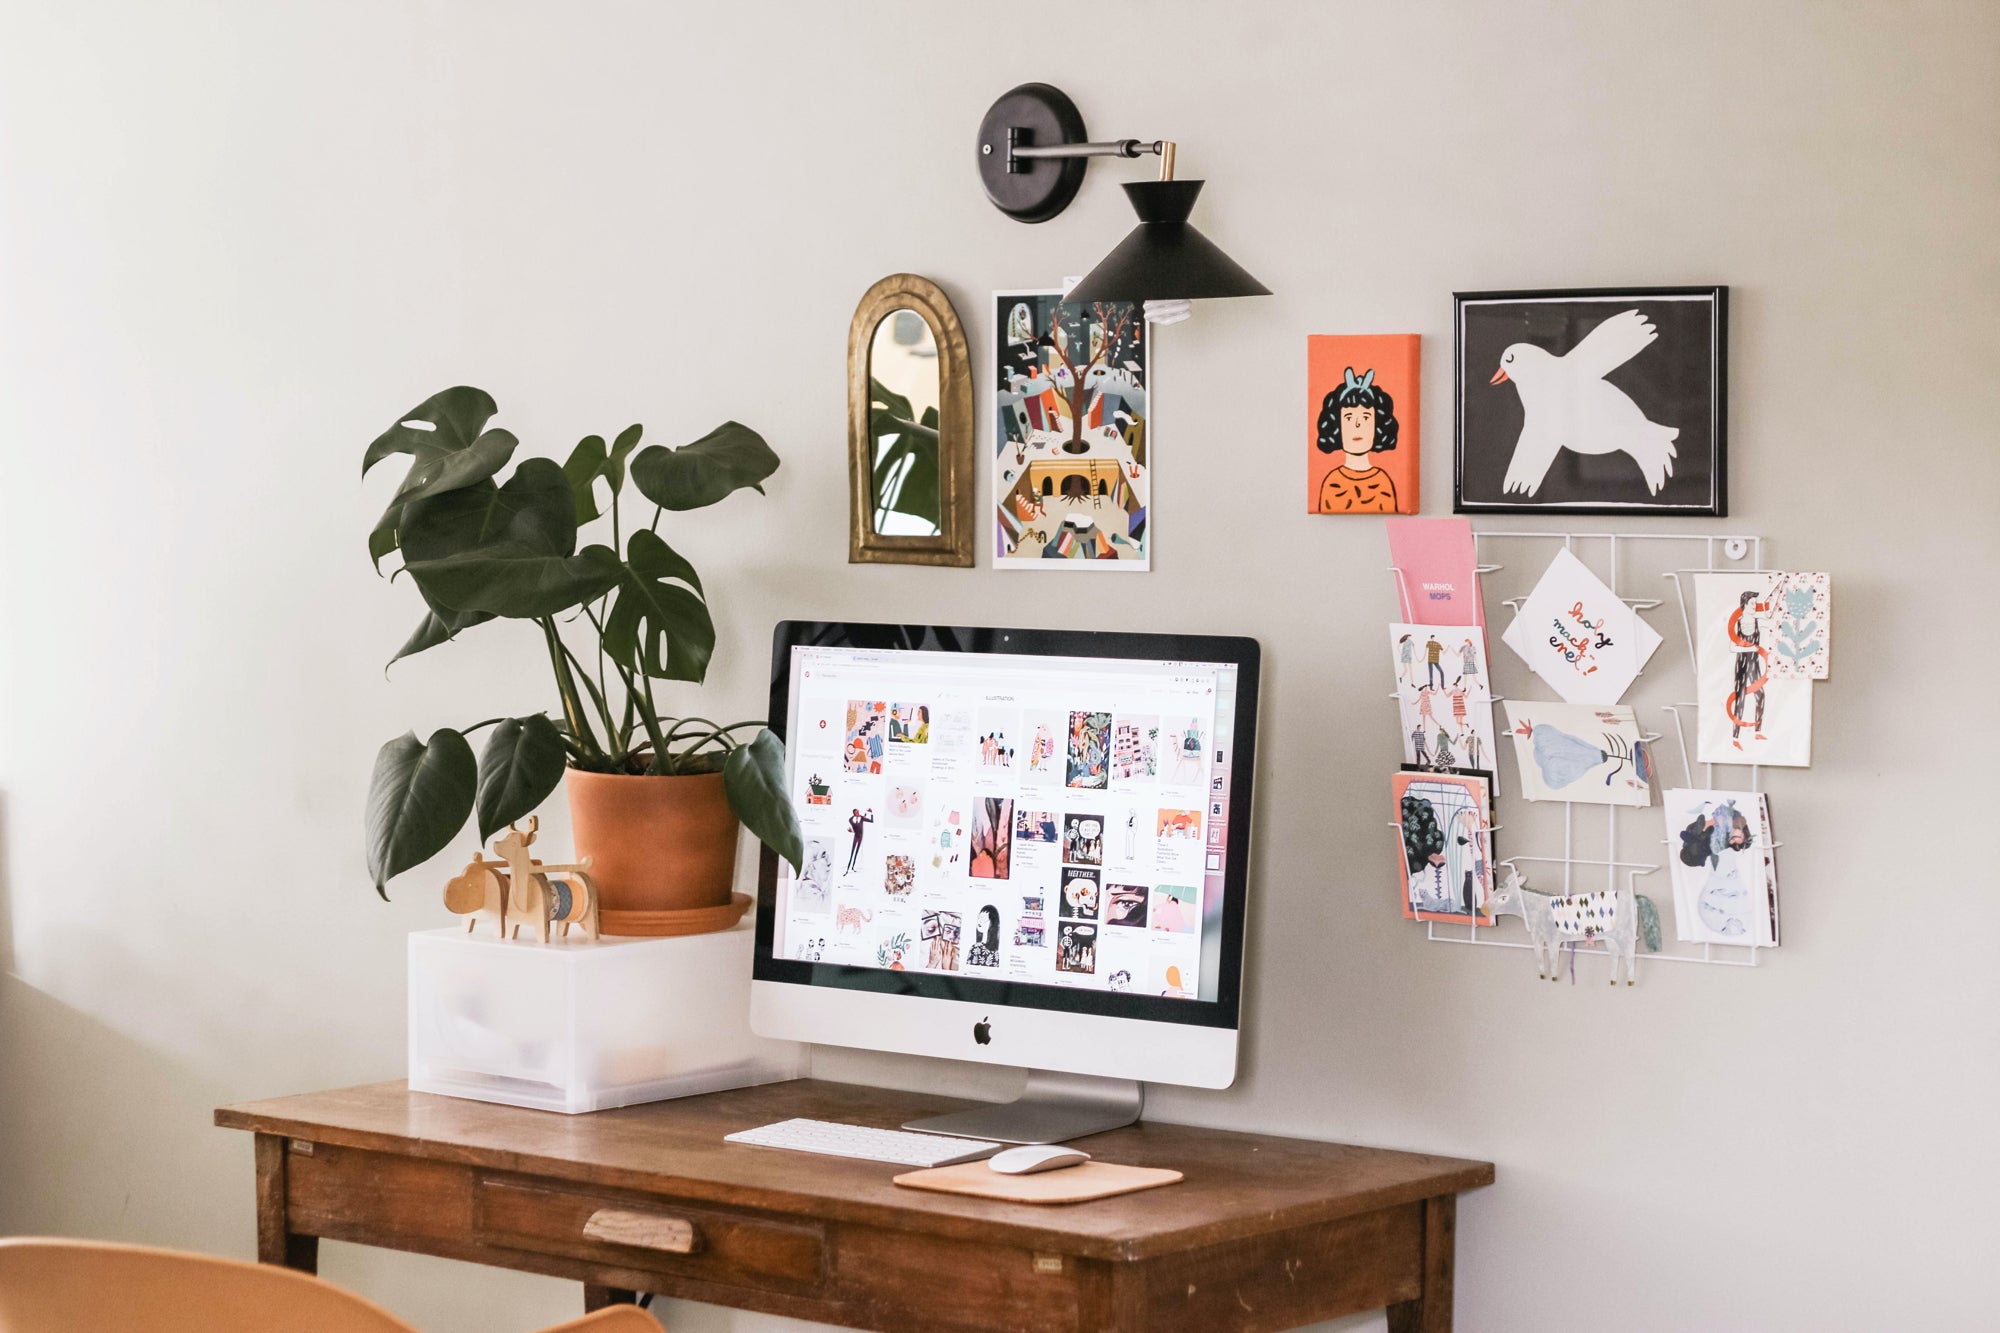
column 84, row 1286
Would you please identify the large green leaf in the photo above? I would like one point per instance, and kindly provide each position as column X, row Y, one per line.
column 907, row 447
column 418, row 798
column 726, row 459
column 532, row 513
column 439, row 474
column 477, row 462
column 753, row 777
column 436, row 629
column 443, row 423
column 583, row 467
column 906, row 477
column 614, row 467
column 382, row 537
column 518, row 583
column 882, row 398
column 443, row 426
column 591, row 460
column 520, row 766
column 656, row 625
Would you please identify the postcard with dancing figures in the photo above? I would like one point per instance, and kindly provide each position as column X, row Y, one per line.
column 1443, row 695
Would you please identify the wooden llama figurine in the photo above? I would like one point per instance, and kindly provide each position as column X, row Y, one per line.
column 546, row 894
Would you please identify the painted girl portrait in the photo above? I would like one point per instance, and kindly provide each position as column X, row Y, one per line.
column 1356, row 422
column 1362, row 458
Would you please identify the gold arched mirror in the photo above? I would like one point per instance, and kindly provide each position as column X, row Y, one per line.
column 909, row 427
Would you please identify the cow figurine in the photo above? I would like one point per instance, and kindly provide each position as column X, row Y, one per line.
column 1619, row 917
column 517, row 889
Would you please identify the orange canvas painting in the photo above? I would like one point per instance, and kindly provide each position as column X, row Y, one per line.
column 1361, row 423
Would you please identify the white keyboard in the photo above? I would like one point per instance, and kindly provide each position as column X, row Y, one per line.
column 875, row 1145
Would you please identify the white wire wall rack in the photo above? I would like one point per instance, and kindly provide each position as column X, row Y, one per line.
column 1579, row 870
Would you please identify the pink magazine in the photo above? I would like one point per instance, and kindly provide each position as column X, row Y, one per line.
column 1438, row 570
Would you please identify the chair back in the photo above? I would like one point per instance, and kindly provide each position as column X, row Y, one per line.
column 81, row 1286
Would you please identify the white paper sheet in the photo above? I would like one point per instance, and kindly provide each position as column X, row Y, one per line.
column 1748, row 716
column 1725, row 886
column 1577, row 635
column 1580, row 752
column 1444, row 695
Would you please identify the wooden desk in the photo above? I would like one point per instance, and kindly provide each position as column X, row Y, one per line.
column 1265, row 1233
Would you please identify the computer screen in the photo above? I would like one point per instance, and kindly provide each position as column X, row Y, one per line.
column 1034, row 818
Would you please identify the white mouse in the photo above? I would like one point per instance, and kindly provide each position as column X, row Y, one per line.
column 1035, row 1157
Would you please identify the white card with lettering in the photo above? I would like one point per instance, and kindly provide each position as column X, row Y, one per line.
column 1577, row 635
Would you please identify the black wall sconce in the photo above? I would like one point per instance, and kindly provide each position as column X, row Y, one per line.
column 1032, row 156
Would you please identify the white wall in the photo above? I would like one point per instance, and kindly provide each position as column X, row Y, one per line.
column 236, row 238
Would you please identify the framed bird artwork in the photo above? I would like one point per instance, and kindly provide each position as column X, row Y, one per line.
column 1601, row 401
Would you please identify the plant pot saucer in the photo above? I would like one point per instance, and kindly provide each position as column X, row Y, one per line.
column 687, row 921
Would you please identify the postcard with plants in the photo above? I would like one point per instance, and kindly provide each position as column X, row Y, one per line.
column 1590, row 753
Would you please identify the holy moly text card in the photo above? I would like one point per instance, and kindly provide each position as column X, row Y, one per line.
column 1577, row 635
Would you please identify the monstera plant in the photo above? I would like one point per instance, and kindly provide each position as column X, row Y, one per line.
column 906, row 458
column 613, row 619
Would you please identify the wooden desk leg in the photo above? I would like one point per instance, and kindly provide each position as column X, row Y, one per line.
column 595, row 1298
column 1431, row 1311
column 276, row 1244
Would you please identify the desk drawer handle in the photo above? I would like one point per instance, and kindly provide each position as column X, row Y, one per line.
column 646, row 1231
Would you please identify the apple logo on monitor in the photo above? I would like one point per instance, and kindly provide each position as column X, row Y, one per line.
column 982, row 1032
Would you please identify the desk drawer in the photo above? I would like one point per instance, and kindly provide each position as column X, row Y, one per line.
column 650, row 1234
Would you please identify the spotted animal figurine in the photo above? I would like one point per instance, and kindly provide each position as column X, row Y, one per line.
column 1618, row 917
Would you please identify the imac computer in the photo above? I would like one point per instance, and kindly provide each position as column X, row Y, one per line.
column 1025, row 847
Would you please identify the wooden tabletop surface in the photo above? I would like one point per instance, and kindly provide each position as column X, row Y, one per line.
column 1237, row 1184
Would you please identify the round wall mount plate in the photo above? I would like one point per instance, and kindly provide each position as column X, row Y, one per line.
column 1040, row 188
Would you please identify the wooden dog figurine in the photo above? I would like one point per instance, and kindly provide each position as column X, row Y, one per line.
column 518, row 889
column 480, row 893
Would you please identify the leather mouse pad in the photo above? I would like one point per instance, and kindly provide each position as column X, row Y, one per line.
column 1069, row 1184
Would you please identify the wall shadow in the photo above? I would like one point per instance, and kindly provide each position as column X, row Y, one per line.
column 6, row 893
column 103, row 1137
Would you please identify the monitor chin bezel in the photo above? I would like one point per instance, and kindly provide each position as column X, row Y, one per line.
column 1223, row 1012
column 1102, row 1045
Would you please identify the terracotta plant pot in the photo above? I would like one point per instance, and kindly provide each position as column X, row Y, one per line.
column 662, row 851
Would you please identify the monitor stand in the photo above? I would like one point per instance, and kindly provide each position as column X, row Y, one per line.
column 1053, row 1108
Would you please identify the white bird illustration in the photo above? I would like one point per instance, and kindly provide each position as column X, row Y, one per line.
column 1566, row 404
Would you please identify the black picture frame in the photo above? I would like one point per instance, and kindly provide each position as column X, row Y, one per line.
column 1682, row 386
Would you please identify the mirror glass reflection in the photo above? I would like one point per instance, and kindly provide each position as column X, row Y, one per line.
column 904, row 394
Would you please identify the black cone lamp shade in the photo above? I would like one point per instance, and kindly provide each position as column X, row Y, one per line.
column 1165, row 259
